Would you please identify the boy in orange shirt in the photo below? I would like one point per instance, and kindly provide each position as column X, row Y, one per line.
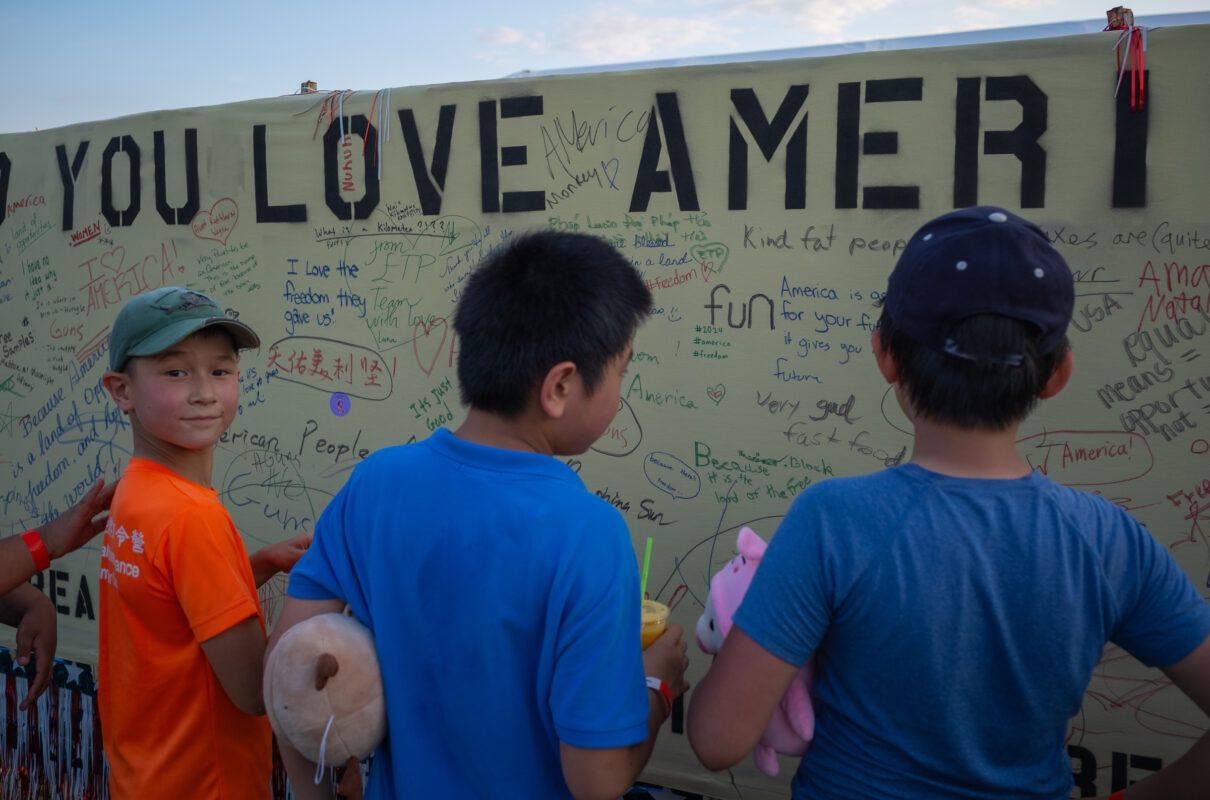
column 182, row 637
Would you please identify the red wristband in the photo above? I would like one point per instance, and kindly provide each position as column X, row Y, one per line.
column 1118, row 795
column 665, row 692
column 37, row 548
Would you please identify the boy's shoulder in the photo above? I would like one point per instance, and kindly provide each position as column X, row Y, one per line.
column 452, row 472
column 880, row 486
column 158, row 498
column 444, row 450
column 143, row 475
column 908, row 486
column 905, row 487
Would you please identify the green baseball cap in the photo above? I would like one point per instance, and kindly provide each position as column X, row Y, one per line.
column 156, row 320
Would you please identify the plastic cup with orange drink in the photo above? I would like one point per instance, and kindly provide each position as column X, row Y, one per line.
column 655, row 615
column 655, row 619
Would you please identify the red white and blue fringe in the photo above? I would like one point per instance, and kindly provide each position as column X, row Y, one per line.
column 52, row 750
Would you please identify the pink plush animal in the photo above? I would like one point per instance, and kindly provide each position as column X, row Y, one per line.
column 793, row 723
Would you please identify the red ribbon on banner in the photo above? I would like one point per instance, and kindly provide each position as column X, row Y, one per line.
column 1134, row 39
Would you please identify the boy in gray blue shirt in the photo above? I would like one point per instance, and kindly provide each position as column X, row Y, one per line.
column 957, row 604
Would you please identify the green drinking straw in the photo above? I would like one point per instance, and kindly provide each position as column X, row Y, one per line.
column 646, row 564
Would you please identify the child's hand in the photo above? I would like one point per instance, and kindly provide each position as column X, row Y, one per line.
column 284, row 555
column 667, row 660
column 74, row 527
column 350, row 787
column 279, row 557
column 37, row 633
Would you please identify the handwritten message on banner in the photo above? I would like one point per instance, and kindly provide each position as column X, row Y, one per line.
column 764, row 205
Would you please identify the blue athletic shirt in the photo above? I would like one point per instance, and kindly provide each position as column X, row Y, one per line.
column 504, row 601
column 956, row 623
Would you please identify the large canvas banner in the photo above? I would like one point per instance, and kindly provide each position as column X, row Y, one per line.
column 764, row 204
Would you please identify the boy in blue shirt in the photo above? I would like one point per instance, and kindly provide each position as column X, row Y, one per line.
column 502, row 595
column 957, row 604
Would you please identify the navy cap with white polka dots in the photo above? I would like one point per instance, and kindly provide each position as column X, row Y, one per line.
column 979, row 260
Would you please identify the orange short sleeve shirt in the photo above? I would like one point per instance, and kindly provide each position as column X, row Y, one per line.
column 174, row 573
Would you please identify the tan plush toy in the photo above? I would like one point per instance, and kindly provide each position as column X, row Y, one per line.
column 323, row 690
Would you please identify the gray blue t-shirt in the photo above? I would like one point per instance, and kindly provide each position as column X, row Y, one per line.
column 956, row 624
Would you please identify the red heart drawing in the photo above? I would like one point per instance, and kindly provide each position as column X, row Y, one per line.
column 427, row 335
column 217, row 223
column 118, row 255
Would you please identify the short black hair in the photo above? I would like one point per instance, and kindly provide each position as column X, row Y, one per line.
column 992, row 385
column 542, row 298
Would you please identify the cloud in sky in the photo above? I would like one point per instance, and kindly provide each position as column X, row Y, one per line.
column 502, row 35
column 504, row 46
column 652, row 30
column 608, row 33
column 643, row 30
column 824, row 18
column 969, row 17
column 998, row 13
column 614, row 33
column 1022, row 5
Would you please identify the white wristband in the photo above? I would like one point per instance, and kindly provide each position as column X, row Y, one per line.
column 664, row 692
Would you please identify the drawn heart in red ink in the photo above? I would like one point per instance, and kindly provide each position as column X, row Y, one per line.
column 716, row 393
column 217, row 223
column 424, row 330
column 114, row 259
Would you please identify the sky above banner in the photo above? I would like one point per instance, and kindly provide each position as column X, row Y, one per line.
column 76, row 61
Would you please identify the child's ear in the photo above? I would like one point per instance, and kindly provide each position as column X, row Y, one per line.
column 1058, row 378
column 886, row 362
column 118, row 386
column 556, row 388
